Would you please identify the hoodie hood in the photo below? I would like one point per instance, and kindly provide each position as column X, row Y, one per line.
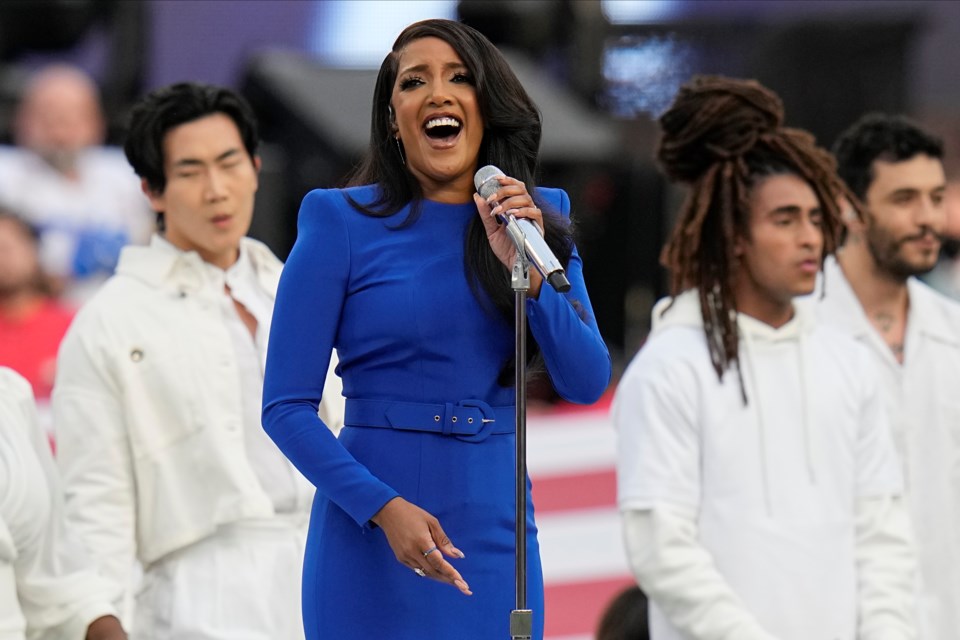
column 684, row 311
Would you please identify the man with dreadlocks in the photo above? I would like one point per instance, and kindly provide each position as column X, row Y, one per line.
column 895, row 169
column 758, row 483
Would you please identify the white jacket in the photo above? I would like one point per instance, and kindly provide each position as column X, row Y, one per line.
column 49, row 589
column 147, row 412
column 921, row 397
column 770, row 520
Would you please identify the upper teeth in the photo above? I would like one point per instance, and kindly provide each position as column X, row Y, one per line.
column 442, row 122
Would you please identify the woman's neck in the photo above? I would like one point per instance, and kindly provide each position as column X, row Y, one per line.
column 457, row 191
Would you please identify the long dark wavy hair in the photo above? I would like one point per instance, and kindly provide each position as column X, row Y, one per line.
column 511, row 141
column 722, row 136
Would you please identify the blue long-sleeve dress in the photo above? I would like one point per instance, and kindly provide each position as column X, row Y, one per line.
column 416, row 350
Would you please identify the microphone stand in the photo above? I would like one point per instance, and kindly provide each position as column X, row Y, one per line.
column 521, row 618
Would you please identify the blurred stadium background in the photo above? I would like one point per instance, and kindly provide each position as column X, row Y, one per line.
column 601, row 72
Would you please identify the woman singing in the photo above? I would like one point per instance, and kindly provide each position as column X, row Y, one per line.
column 407, row 275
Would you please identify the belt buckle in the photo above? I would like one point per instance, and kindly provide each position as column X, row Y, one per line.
column 487, row 420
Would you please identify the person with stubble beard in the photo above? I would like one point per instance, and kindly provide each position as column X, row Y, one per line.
column 871, row 291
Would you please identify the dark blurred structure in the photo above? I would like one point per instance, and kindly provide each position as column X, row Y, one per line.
column 35, row 31
column 565, row 37
column 829, row 75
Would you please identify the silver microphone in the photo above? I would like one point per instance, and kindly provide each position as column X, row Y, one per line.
column 524, row 233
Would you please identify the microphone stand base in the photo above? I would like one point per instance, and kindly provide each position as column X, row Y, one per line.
column 521, row 624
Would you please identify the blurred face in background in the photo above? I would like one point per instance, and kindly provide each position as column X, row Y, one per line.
column 951, row 203
column 781, row 258
column 437, row 118
column 19, row 260
column 59, row 116
column 207, row 203
column 905, row 215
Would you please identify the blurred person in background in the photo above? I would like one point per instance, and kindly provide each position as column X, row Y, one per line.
column 625, row 617
column 32, row 322
column 758, row 483
column 945, row 276
column 407, row 274
column 60, row 177
column 49, row 589
column 157, row 396
column 912, row 333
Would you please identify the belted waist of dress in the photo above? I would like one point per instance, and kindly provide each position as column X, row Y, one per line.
column 470, row 420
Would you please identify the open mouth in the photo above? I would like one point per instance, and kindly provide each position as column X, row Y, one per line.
column 442, row 128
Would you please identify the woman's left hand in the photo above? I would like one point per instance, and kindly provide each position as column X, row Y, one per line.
column 511, row 198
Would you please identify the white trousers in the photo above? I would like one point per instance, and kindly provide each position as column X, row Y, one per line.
column 243, row 583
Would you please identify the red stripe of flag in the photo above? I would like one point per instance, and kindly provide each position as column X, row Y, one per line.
column 574, row 608
column 573, row 492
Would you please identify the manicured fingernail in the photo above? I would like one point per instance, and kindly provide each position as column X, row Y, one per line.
column 497, row 209
column 458, row 553
column 491, row 199
column 461, row 585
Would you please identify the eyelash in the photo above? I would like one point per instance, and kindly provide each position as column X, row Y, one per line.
column 458, row 77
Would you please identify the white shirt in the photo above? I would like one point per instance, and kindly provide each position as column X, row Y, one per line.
column 770, row 490
column 922, row 400
column 48, row 587
column 277, row 475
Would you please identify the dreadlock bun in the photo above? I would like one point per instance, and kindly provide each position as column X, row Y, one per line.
column 714, row 119
column 724, row 136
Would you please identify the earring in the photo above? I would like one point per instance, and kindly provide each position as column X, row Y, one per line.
column 403, row 159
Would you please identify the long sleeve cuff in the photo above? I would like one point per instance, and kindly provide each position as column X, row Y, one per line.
column 680, row 577
column 886, row 568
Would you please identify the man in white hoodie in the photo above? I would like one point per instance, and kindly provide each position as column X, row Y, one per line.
column 911, row 332
column 157, row 396
column 757, row 481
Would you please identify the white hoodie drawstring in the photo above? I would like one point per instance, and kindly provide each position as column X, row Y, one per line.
column 747, row 344
column 805, row 404
column 753, row 396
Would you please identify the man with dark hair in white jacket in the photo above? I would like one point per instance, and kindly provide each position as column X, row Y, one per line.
column 911, row 332
column 756, row 477
column 158, row 391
